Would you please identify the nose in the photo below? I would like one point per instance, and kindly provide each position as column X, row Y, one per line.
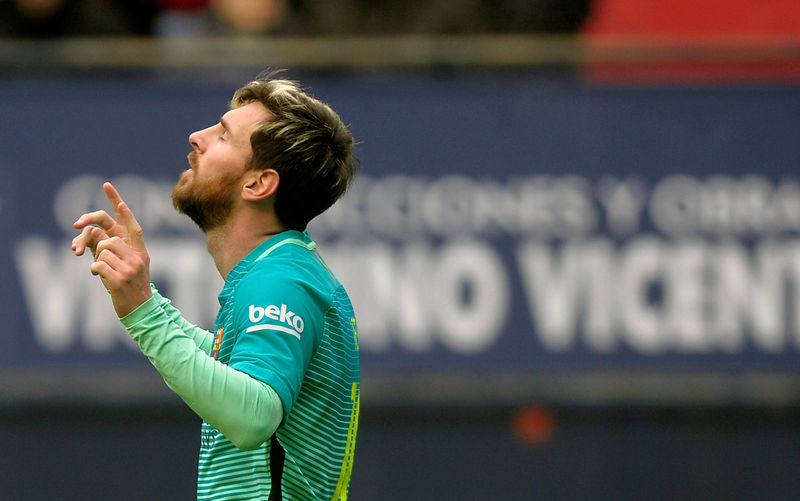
column 202, row 138
column 195, row 140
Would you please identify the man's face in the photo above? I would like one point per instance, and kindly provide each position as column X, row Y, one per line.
column 207, row 191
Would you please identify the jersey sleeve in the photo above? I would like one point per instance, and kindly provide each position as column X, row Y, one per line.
column 202, row 338
column 279, row 321
column 244, row 409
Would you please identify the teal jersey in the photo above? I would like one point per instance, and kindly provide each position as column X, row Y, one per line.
column 287, row 321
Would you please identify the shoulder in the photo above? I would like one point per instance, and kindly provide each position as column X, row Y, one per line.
column 283, row 283
column 276, row 281
column 293, row 266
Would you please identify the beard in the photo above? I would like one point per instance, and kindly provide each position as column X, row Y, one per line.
column 207, row 203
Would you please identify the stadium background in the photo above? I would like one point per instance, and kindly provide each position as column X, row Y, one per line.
column 573, row 249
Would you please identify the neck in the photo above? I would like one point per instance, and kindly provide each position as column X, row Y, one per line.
column 230, row 243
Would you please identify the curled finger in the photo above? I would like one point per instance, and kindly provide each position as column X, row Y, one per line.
column 108, row 264
column 89, row 238
column 98, row 218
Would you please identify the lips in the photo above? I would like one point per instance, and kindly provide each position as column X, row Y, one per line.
column 192, row 158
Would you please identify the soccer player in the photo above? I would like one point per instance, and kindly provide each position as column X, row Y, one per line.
column 277, row 383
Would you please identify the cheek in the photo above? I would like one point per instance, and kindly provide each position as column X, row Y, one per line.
column 223, row 160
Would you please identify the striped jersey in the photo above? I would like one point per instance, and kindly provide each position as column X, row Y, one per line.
column 285, row 320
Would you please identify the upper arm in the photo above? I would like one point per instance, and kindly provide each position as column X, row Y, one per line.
column 278, row 323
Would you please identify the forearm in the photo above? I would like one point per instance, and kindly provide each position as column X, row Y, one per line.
column 202, row 338
column 242, row 408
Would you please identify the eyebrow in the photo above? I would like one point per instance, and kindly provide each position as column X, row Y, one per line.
column 225, row 124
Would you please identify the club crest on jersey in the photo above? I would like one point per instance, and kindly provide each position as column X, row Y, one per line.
column 291, row 322
column 217, row 343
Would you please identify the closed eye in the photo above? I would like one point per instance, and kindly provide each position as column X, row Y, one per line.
column 224, row 133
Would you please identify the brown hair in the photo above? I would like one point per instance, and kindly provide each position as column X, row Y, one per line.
column 306, row 143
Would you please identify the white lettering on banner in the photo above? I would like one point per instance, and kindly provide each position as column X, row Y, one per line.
column 685, row 266
column 457, row 294
column 387, row 286
column 67, row 304
column 472, row 288
column 722, row 205
column 754, row 291
column 54, row 285
column 566, row 207
column 623, row 201
column 151, row 200
column 656, row 296
column 183, row 267
column 639, row 319
column 558, row 284
column 398, row 207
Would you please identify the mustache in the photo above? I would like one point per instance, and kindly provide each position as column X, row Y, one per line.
column 192, row 157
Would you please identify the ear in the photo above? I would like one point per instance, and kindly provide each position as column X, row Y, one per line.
column 260, row 185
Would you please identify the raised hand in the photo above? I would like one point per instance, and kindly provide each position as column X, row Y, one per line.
column 121, row 258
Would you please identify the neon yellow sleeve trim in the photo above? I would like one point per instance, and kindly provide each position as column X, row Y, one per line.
column 242, row 408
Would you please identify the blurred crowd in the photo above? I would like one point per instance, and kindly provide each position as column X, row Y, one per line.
column 184, row 18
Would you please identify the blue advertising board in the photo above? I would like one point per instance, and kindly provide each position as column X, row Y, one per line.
column 498, row 224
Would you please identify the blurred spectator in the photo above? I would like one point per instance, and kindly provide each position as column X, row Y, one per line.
column 181, row 18
column 368, row 17
column 375, row 17
column 140, row 13
column 252, row 16
column 449, row 17
column 539, row 16
column 60, row 18
column 323, row 17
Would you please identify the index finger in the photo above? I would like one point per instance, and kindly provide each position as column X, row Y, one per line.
column 113, row 196
column 125, row 217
